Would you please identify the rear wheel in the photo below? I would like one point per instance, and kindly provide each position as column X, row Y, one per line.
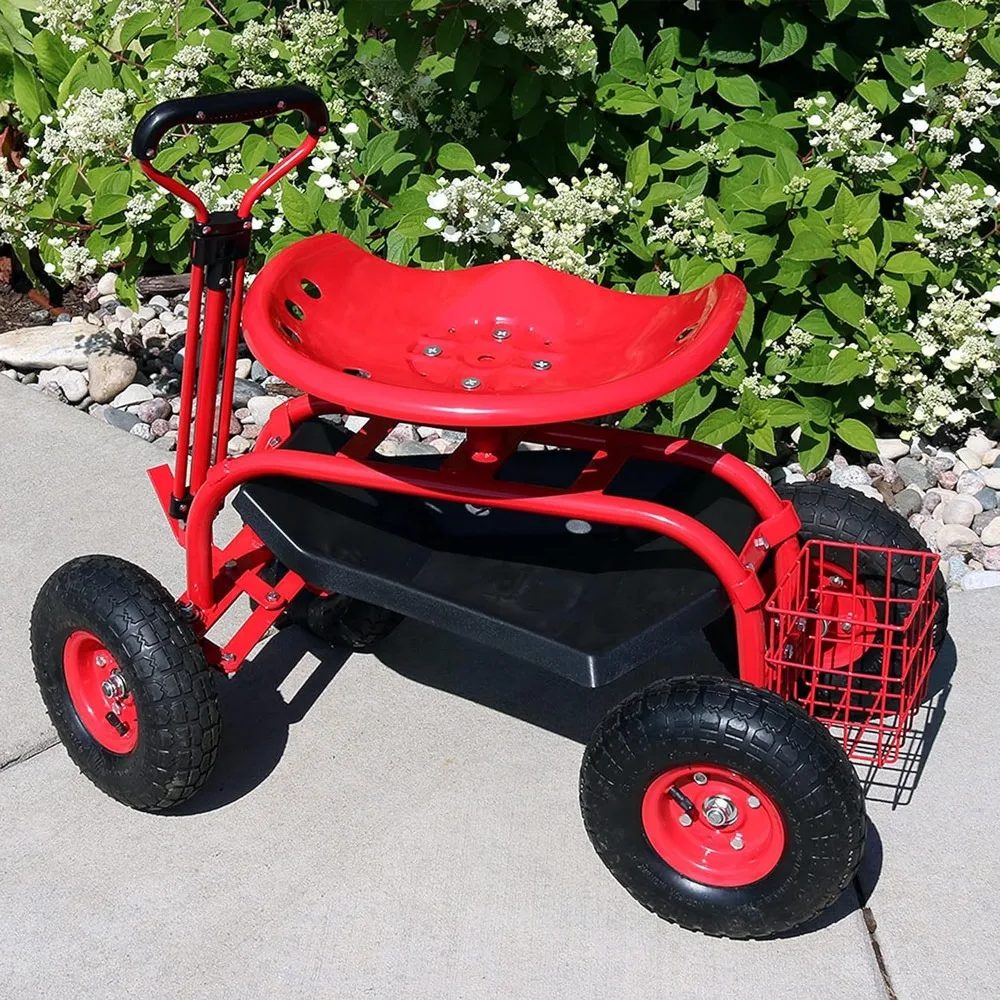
column 342, row 621
column 125, row 682
column 836, row 514
column 721, row 807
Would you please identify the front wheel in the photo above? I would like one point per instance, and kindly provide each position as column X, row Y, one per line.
column 125, row 682
column 722, row 807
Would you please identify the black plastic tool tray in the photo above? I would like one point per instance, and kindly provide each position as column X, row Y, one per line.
column 589, row 606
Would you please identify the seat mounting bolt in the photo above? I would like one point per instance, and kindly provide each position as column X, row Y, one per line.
column 433, row 351
column 470, row 383
column 541, row 365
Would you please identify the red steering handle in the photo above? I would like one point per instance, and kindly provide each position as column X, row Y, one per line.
column 243, row 105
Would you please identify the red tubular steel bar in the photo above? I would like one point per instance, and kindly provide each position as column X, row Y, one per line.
column 289, row 162
column 229, row 361
column 191, row 338
column 175, row 187
column 742, row 586
column 208, row 381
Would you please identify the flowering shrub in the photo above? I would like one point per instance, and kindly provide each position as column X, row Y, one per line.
column 840, row 156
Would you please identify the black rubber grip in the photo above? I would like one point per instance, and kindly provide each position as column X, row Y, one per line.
column 234, row 106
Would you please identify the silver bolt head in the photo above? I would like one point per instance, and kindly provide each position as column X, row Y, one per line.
column 500, row 333
column 760, row 543
column 228, row 657
column 684, row 819
column 433, row 351
column 470, row 383
column 845, row 626
column 108, row 689
column 753, row 802
column 273, row 595
column 541, row 365
column 101, row 660
column 700, row 778
column 737, row 842
column 715, row 816
column 273, row 442
column 837, row 581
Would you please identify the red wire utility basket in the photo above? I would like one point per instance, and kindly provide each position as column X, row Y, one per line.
column 854, row 659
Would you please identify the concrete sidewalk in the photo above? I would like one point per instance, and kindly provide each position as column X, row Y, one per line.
column 408, row 827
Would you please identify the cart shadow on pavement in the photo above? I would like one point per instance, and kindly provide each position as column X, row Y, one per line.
column 257, row 717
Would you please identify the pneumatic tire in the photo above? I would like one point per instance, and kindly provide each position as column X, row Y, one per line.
column 797, row 836
column 125, row 682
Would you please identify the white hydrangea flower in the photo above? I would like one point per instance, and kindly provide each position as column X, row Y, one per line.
column 433, row 223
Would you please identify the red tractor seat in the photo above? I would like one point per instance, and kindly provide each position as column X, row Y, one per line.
column 500, row 345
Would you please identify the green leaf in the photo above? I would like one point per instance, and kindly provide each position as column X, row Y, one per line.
column 718, row 427
column 780, row 38
column 450, row 33
column 454, row 156
column 253, row 151
column 834, row 8
column 819, row 408
column 814, row 445
column 466, row 63
column 579, row 130
column 227, row 136
column 626, row 55
column 842, row 299
column 52, row 57
column 29, row 97
column 527, row 90
column 783, row 413
column 939, row 69
column 134, row 25
column 899, row 69
column 626, row 99
column 949, row 14
column 762, row 438
column 908, row 262
column 284, row 136
column 377, row 152
column 876, row 93
column 863, row 255
column 738, row 90
column 845, row 367
column 637, row 167
column 814, row 366
column 692, row 400
column 809, row 245
column 769, row 137
column 857, row 435
column 107, row 205
column 633, row 418
column 413, row 224
column 296, row 209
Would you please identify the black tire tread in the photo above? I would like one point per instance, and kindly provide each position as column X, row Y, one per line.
column 135, row 616
column 774, row 737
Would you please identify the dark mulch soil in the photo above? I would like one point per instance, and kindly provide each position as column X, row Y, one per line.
column 16, row 307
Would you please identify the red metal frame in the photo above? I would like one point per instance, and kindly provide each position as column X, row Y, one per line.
column 202, row 477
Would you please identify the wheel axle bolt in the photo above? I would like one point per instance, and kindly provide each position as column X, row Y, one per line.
column 753, row 802
column 114, row 687
column 700, row 778
column 737, row 842
column 684, row 819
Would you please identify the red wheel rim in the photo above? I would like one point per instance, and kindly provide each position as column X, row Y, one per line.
column 713, row 825
column 98, row 692
column 841, row 597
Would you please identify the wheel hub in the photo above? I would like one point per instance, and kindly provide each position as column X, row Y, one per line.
column 713, row 825
column 99, row 693
column 720, row 810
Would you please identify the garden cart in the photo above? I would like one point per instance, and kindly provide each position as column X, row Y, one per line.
column 727, row 804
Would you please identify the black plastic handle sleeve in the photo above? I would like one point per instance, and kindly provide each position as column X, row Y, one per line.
column 234, row 106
